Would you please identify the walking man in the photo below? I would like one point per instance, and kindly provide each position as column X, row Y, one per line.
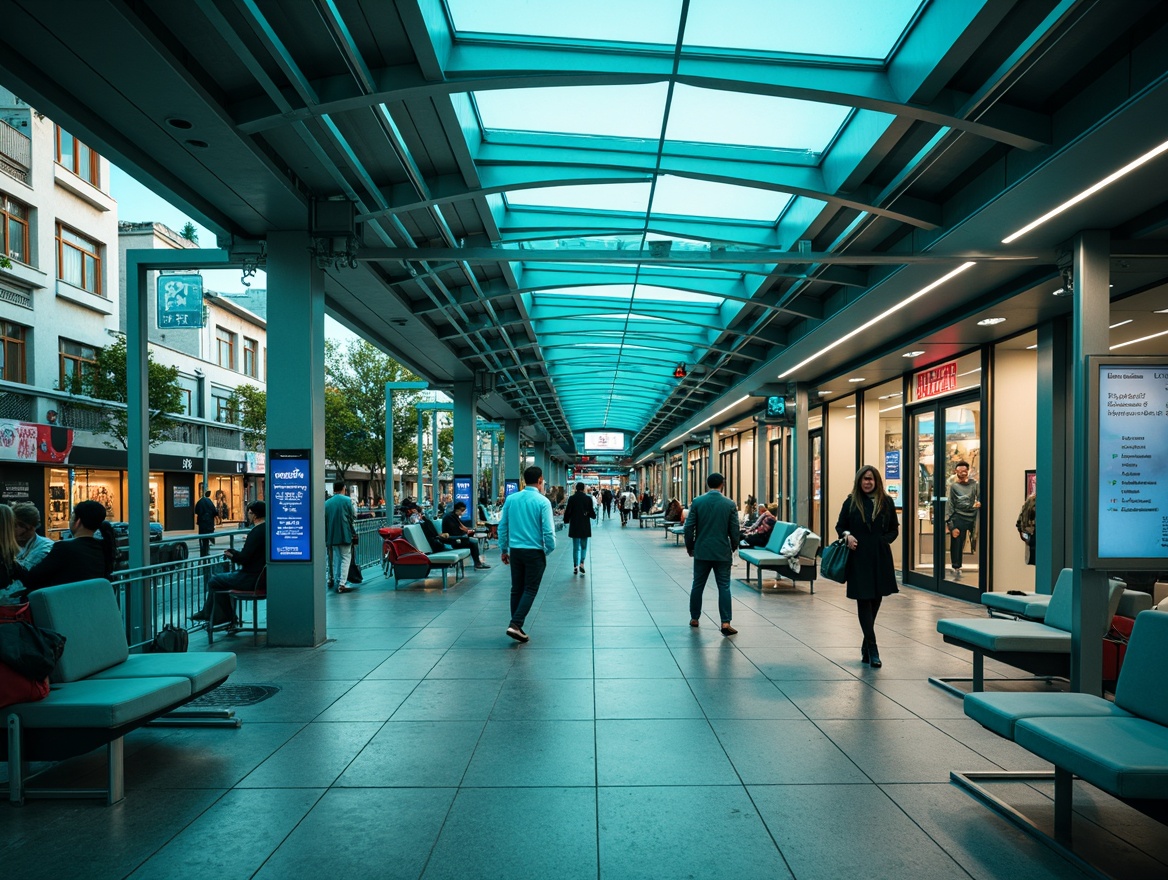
column 339, row 532
column 205, row 521
column 711, row 536
column 961, row 509
column 526, row 536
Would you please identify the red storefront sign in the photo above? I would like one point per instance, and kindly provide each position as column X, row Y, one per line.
column 936, row 381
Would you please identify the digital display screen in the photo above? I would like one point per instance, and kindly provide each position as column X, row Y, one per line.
column 602, row 441
column 1131, row 463
column 776, row 407
column 510, row 487
column 462, row 492
column 290, row 505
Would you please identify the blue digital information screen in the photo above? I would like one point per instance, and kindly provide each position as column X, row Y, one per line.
column 180, row 302
column 510, row 487
column 462, row 492
column 290, row 505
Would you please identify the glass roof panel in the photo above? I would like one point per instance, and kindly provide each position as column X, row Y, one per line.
column 720, row 117
column 704, row 198
column 600, row 197
column 646, row 21
column 671, row 294
column 799, row 27
column 613, row 111
column 624, row 291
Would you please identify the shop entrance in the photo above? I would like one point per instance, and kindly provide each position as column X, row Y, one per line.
column 942, row 435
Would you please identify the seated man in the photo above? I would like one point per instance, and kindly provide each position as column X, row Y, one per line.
column 33, row 547
column 457, row 534
column 758, row 534
column 251, row 559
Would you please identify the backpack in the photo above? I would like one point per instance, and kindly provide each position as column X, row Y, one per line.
column 170, row 640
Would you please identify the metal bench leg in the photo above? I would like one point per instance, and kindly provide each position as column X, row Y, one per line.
column 1063, row 792
column 978, row 672
column 116, row 766
column 15, row 762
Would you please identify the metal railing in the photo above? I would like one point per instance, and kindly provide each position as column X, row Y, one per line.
column 173, row 591
column 16, row 148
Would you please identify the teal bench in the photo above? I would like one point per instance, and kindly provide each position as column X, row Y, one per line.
column 99, row 692
column 1120, row 748
column 442, row 560
column 768, row 558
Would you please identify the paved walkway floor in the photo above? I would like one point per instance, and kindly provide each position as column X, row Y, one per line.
column 421, row 742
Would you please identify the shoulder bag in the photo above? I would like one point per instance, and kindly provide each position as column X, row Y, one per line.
column 834, row 564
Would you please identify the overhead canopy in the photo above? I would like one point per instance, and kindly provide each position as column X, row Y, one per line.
column 582, row 198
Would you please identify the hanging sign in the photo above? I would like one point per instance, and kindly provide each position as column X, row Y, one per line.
column 180, row 302
column 937, row 380
column 290, row 505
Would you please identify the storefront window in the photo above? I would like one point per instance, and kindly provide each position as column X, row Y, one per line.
column 227, row 493
column 882, row 435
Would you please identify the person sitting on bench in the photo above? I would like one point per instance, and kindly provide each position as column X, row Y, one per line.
column 251, row 559
column 758, row 534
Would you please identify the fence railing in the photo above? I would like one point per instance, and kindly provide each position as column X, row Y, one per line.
column 172, row 591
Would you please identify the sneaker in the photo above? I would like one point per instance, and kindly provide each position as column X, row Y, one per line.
column 481, row 566
column 575, row 569
column 517, row 634
column 957, row 573
column 581, row 569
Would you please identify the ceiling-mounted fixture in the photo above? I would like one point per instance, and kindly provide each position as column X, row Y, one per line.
column 679, row 371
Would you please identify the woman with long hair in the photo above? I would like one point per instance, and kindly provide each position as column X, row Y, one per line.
column 90, row 553
column 868, row 524
column 674, row 513
column 8, row 546
column 578, row 515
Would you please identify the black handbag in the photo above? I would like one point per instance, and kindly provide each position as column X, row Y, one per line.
column 31, row 650
column 834, row 564
column 355, row 576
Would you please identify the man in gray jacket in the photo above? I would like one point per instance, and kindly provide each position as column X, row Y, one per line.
column 711, row 536
column 339, row 532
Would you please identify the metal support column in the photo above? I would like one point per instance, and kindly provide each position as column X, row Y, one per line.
column 798, row 481
column 1054, row 394
column 1092, row 273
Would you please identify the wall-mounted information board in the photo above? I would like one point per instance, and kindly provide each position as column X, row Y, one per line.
column 1128, row 459
column 290, row 505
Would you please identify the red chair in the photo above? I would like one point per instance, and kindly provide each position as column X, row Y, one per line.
column 408, row 563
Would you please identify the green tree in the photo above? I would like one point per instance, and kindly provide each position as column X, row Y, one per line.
column 358, row 371
column 345, row 439
column 5, row 263
column 107, row 381
column 190, row 233
column 250, row 405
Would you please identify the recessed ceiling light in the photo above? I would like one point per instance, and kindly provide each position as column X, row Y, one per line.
column 201, row 145
column 989, row 322
column 180, row 123
column 912, row 354
column 858, row 379
column 850, row 406
column 824, row 393
column 1141, row 339
column 1032, row 347
column 1062, row 291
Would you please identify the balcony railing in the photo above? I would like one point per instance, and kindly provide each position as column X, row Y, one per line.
column 15, row 152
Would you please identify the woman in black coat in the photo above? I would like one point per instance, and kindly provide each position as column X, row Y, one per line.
column 869, row 525
column 578, row 515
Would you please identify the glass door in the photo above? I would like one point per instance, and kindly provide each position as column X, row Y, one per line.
column 943, row 518
column 815, row 440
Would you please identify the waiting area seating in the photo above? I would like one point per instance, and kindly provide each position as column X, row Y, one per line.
column 414, row 561
column 769, row 558
column 1041, row 648
column 99, row 692
column 1120, row 748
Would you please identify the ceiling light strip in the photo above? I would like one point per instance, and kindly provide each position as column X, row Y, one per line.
column 1141, row 339
column 878, row 318
column 706, row 422
column 1089, row 191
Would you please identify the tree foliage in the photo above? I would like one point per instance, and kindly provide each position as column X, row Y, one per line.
column 250, row 405
column 190, row 233
column 346, row 442
column 357, row 371
column 107, row 380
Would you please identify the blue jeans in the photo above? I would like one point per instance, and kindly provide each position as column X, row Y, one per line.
column 579, row 550
column 702, row 569
column 527, row 567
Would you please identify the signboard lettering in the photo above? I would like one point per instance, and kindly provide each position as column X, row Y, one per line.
column 290, row 506
column 937, row 380
column 180, row 302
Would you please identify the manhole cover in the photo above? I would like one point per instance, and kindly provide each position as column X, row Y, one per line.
column 234, row 695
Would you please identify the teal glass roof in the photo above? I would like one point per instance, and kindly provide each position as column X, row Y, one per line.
column 648, row 137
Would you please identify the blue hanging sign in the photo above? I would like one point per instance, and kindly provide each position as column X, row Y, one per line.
column 462, row 492
column 510, row 487
column 180, row 302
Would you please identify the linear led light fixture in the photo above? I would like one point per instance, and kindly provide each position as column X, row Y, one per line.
column 1089, row 191
column 896, row 308
column 706, row 422
column 1141, row 339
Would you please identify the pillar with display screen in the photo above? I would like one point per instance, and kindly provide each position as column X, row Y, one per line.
column 296, row 609
column 465, row 441
column 512, row 454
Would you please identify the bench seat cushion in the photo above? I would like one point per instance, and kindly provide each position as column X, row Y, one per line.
column 1032, row 605
column 87, row 614
column 1126, row 757
column 447, row 557
column 102, row 704
column 1000, row 712
column 202, row 670
column 997, row 635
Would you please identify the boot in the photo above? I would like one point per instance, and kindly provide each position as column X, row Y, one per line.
column 864, row 655
column 874, row 656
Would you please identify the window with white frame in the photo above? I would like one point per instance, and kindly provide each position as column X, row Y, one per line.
column 78, row 259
